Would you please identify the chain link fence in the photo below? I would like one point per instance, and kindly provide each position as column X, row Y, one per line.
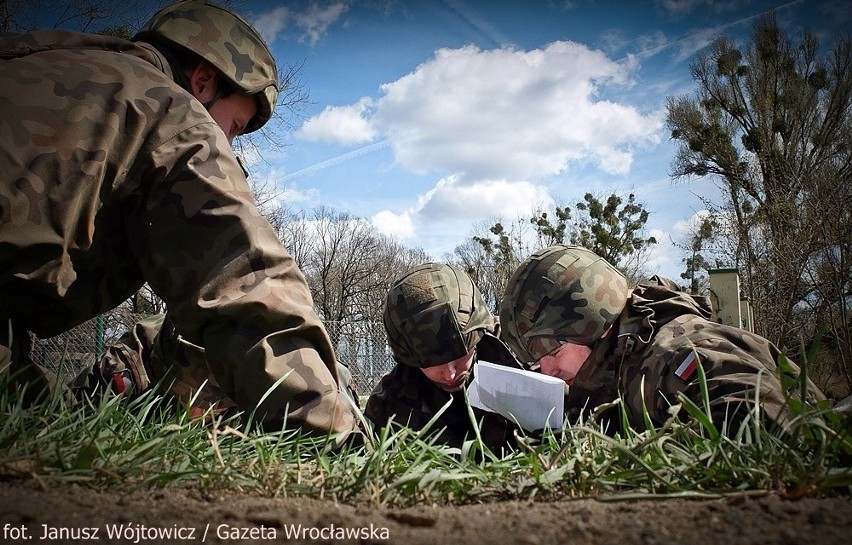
column 69, row 353
column 361, row 346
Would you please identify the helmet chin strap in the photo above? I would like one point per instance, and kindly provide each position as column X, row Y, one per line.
column 220, row 93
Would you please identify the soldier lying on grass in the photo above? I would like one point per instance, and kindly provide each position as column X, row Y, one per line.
column 438, row 325
column 571, row 313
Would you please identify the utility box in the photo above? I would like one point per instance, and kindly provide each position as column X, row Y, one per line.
column 746, row 314
column 728, row 306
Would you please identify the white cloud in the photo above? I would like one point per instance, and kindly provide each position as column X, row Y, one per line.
column 292, row 194
column 316, row 20
column 272, row 22
column 690, row 226
column 450, row 204
column 391, row 224
column 499, row 114
column 270, row 184
column 509, row 114
column 450, row 199
column 344, row 124
column 313, row 22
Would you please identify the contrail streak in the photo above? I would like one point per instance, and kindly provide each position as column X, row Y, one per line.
column 336, row 160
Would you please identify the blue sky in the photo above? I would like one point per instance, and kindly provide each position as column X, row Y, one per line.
column 432, row 118
column 429, row 118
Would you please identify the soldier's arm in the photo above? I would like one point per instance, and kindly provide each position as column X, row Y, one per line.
column 742, row 379
column 385, row 402
column 232, row 288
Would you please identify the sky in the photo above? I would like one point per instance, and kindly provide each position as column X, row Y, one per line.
column 433, row 118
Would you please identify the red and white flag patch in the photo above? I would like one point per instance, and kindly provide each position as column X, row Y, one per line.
column 687, row 367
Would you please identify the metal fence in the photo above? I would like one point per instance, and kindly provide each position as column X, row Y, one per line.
column 68, row 353
column 362, row 346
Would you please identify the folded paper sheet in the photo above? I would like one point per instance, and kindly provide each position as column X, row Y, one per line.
column 532, row 400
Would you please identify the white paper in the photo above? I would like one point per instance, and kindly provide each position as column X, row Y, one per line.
column 532, row 400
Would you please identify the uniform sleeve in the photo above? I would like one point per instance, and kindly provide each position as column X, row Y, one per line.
column 231, row 287
column 124, row 362
column 741, row 369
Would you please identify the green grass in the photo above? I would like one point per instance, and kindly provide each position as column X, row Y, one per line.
column 146, row 442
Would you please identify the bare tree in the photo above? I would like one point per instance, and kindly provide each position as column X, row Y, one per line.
column 492, row 254
column 392, row 260
column 825, row 308
column 79, row 15
column 486, row 269
column 349, row 265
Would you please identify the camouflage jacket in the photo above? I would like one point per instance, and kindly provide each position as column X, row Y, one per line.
column 652, row 353
column 405, row 396
column 111, row 176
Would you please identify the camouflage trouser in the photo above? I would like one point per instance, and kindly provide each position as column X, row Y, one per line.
column 153, row 355
column 19, row 375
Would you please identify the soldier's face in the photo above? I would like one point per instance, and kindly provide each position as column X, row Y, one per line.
column 565, row 362
column 453, row 375
column 233, row 113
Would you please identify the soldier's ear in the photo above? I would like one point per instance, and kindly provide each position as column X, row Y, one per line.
column 204, row 82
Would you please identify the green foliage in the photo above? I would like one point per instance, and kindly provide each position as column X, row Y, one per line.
column 612, row 232
column 613, row 229
column 696, row 264
column 552, row 233
column 501, row 250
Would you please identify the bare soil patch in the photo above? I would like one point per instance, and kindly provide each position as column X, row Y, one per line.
column 64, row 513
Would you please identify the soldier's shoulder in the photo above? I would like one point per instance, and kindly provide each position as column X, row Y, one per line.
column 396, row 381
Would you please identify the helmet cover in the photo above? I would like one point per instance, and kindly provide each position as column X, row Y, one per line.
column 434, row 314
column 561, row 293
column 226, row 41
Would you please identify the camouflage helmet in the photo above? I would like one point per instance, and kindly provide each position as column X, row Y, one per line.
column 225, row 40
column 560, row 294
column 433, row 315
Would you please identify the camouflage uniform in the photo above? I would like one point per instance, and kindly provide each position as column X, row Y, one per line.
column 112, row 175
column 151, row 354
column 651, row 352
column 433, row 315
column 407, row 397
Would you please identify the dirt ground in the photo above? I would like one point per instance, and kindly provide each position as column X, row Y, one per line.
column 76, row 514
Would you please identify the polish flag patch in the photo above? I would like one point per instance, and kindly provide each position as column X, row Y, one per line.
column 687, row 367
